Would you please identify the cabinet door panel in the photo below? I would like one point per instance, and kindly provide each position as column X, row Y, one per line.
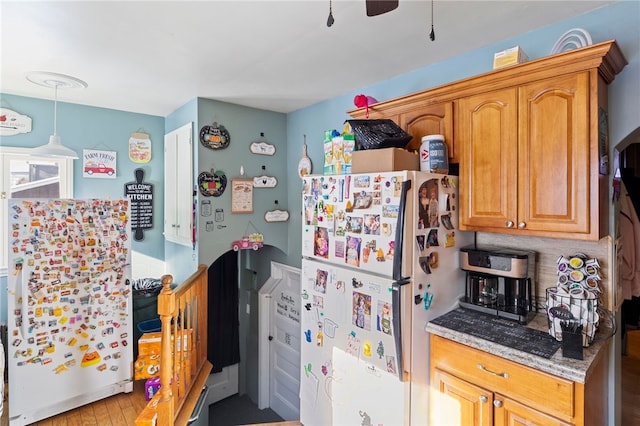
column 553, row 191
column 430, row 120
column 457, row 402
column 488, row 174
column 511, row 413
column 178, row 185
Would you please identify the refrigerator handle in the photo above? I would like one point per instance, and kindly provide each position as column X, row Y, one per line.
column 399, row 239
column 397, row 302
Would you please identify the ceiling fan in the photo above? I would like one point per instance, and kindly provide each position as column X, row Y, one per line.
column 374, row 8
column 378, row 7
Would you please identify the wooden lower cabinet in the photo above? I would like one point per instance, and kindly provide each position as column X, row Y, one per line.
column 473, row 387
column 510, row 412
column 458, row 402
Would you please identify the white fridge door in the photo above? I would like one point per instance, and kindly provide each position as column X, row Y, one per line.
column 353, row 312
column 351, row 220
column 69, row 293
column 438, row 282
column 365, row 395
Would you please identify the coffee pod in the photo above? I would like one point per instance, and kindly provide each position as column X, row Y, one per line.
column 576, row 276
column 591, row 283
column 563, row 278
column 576, row 262
column 577, row 292
column 590, row 270
column 593, row 262
column 563, row 264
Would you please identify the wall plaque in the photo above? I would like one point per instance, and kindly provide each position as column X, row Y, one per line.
column 141, row 195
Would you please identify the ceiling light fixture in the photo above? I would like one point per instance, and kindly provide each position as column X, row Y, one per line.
column 56, row 81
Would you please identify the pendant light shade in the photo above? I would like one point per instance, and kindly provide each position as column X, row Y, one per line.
column 57, row 81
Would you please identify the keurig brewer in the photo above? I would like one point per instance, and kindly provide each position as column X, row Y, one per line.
column 499, row 282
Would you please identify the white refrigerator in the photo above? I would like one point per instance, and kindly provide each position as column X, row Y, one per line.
column 69, row 305
column 380, row 259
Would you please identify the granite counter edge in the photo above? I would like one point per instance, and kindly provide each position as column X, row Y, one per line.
column 557, row 365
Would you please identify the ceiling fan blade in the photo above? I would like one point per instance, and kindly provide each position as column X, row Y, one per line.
column 378, row 7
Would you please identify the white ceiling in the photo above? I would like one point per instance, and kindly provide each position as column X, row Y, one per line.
column 154, row 56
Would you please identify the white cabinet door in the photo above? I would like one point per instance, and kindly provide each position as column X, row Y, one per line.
column 178, row 185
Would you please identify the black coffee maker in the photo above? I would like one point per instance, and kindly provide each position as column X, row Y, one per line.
column 499, row 282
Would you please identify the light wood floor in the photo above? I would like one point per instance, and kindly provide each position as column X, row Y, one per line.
column 122, row 409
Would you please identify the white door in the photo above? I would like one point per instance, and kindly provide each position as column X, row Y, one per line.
column 279, row 346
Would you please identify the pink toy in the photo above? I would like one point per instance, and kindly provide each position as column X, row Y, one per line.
column 364, row 101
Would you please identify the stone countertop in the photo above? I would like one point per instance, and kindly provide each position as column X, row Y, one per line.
column 572, row 369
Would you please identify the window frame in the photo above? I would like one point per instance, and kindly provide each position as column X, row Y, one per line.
column 7, row 154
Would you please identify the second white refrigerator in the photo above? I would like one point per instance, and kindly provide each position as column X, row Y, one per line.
column 380, row 259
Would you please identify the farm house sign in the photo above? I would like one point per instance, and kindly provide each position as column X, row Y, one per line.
column 12, row 123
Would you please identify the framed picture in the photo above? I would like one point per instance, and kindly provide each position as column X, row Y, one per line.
column 242, row 196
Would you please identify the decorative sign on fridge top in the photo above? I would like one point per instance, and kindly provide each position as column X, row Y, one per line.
column 13, row 123
column 99, row 164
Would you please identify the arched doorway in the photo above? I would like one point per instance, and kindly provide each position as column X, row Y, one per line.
column 626, row 164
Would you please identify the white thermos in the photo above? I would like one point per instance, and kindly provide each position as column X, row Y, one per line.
column 434, row 157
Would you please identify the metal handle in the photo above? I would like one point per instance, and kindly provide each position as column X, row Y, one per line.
column 483, row 368
column 521, row 225
column 509, row 224
column 483, row 399
column 497, row 403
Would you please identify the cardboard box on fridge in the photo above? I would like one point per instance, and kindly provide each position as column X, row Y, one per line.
column 384, row 160
column 512, row 56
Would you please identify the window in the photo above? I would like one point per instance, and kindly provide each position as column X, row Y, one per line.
column 26, row 176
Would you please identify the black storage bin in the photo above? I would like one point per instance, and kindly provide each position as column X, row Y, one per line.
column 145, row 306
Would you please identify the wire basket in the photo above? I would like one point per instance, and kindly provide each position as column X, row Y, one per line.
column 573, row 309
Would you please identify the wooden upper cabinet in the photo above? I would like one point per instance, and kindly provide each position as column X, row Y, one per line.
column 488, row 139
column 554, row 155
column 435, row 119
column 526, row 154
column 528, row 139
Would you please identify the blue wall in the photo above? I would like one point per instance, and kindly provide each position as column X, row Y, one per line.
column 89, row 127
column 83, row 127
column 619, row 21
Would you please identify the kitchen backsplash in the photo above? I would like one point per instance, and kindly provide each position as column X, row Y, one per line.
column 547, row 252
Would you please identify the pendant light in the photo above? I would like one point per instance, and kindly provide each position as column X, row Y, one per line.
column 56, row 81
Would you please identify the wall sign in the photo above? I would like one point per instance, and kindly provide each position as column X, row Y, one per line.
column 276, row 216
column 214, row 136
column 262, row 148
column 265, row 181
column 99, row 164
column 212, row 184
column 141, row 195
column 12, row 123
column 140, row 147
column 241, row 196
